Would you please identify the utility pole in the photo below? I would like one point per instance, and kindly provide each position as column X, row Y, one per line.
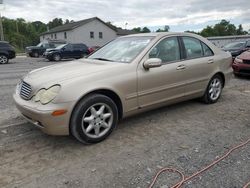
column 1, row 29
column 1, row 24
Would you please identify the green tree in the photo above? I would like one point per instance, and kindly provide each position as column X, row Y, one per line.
column 137, row 29
column 240, row 30
column 55, row 22
column 145, row 30
column 141, row 30
column 166, row 29
column 223, row 28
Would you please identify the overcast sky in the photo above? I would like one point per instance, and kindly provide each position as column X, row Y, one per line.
column 180, row 15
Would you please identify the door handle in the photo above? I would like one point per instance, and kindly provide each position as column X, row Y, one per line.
column 180, row 67
column 210, row 61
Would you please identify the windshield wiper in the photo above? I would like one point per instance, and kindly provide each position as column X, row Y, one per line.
column 102, row 59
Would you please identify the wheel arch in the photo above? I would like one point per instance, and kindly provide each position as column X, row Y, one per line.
column 109, row 93
column 222, row 76
column 5, row 53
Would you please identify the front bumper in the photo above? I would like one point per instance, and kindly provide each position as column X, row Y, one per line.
column 48, row 55
column 241, row 68
column 40, row 115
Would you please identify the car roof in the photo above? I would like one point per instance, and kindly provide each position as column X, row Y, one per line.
column 5, row 42
column 161, row 34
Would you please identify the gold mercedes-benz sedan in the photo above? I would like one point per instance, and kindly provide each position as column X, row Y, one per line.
column 86, row 98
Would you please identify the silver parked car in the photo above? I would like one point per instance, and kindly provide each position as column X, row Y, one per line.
column 86, row 98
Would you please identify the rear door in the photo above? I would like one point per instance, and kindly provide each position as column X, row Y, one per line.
column 199, row 65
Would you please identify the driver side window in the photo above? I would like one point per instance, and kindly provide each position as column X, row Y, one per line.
column 167, row 50
column 68, row 47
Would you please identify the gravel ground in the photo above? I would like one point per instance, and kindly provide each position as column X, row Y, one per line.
column 186, row 136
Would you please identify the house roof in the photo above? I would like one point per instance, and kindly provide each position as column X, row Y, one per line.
column 73, row 25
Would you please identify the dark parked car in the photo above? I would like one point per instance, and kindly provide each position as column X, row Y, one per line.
column 67, row 51
column 6, row 52
column 38, row 50
column 236, row 48
column 241, row 64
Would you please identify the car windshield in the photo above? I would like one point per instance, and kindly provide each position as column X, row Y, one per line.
column 40, row 44
column 61, row 46
column 121, row 49
column 235, row 45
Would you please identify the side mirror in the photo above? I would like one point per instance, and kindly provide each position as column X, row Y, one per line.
column 152, row 62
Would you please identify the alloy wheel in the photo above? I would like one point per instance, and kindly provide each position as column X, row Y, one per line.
column 97, row 120
column 215, row 89
column 3, row 59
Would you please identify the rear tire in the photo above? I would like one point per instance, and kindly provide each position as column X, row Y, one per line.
column 3, row 59
column 214, row 90
column 93, row 119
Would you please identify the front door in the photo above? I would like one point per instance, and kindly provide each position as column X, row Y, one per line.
column 67, row 51
column 165, row 83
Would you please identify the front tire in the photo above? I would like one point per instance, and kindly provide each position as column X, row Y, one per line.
column 93, row 119
column 56, row 57
column 4, row 59
column 35, row 54
column 214, row 90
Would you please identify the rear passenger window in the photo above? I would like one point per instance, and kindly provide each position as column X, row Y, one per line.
column 167, row 50
column 193, row 47
column 206, row 50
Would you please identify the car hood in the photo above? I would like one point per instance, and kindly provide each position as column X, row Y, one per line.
column 231, row 49
column 33, row 47
column 56, row 74
column 52, row 50
column 245, row 55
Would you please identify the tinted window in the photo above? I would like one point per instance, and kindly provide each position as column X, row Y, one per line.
column 235, row 45
column 68, row 47
column 193, row 47
column 167, row 50
column 206, row 50
column 52, row 45
column 79, row 46
column 46, row 45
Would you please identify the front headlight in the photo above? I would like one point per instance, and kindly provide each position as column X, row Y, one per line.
column 47, row 95
column 238, row 60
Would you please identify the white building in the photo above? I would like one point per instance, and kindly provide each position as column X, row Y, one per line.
column 221, row 41
column 92, row 32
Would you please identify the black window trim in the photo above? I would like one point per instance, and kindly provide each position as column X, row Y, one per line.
column 100, row 35
column 184, row 49
column 90, row 34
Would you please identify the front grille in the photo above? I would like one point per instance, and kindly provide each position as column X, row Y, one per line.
column 245, row 71
column 246, row 61
column 25, row 90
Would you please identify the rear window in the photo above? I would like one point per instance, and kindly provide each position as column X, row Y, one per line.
column 193, row 47
column 206, row 50
column 79, row 46
column 3, row 44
